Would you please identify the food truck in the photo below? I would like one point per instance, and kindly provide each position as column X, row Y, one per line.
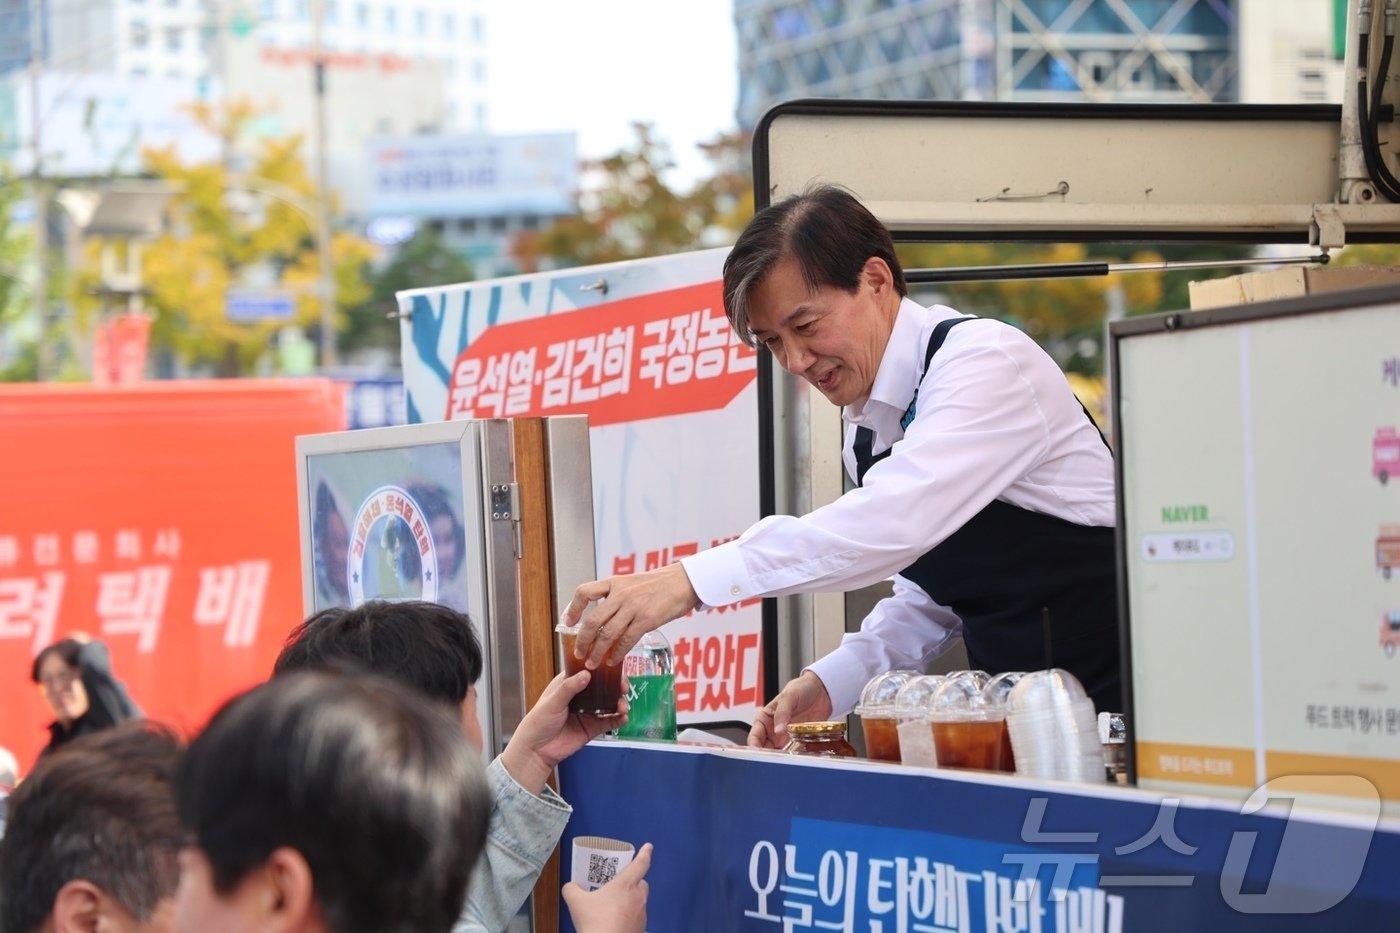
column 1259, row 781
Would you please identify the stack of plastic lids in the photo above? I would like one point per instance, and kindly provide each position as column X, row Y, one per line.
column 1054, row 729
column 878, row 719
column 913, row 706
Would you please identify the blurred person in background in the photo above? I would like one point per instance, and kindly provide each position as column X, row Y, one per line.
column 75, row 676
column 322, row 802
column 433, row 650
column 93, row 838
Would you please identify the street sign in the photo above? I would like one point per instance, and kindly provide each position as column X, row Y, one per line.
column 247, row 305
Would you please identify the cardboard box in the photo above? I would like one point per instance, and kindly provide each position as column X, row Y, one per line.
column 1286, row 282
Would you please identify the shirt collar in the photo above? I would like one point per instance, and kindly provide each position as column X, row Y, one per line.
column 896, row 379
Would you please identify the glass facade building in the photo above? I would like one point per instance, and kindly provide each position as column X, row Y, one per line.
column 1157, row 51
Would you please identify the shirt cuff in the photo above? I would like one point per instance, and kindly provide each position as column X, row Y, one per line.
column 718, row 575
column 844, row 676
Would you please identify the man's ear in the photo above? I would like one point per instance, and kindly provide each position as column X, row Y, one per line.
column 77, row 907
column 288, row 900
column 877, row 274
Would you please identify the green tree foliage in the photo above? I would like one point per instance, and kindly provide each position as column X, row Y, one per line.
column 422, row 262
column 15, row 249
column 221, row 225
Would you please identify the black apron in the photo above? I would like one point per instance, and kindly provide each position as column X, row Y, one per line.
column 1009, row 567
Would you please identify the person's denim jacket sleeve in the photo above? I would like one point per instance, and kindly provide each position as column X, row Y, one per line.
column 523, row 831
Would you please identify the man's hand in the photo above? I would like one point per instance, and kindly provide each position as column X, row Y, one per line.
column 549, row 733
column 802, row 700
column 631, row 605
column 620, row 906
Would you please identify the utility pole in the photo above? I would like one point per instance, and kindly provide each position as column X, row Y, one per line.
column 325, row 281
column 39, row 191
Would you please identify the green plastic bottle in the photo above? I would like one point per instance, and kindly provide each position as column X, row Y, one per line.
column 650, row 671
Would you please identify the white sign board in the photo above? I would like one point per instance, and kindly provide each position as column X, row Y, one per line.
column 472, row 176
column 1261, row 538
column 98, row 124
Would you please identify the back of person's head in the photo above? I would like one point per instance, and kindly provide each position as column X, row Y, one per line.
column 426, row 646
column 370, row 784
column 68, row 649
column 96, row 819
column 825, row 229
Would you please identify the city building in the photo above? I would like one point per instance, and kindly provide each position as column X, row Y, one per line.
column 116, row 74
column 1144, row 51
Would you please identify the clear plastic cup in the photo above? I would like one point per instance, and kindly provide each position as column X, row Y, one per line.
column 912, row 706
column 967, row 725
column 605, row 687
column 998, row 691
column 877, row 714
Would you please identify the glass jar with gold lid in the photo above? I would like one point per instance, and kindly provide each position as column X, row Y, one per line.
column 821, row 739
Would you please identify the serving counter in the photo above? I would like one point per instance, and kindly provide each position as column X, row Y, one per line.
column 750, row 840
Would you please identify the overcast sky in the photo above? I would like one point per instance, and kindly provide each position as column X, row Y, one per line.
column 596, row 66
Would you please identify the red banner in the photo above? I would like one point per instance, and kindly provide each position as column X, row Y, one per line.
column 649, row 357
column 160, row 518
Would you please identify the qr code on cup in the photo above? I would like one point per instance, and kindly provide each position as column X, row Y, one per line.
column 601, row 868
column 598, row 859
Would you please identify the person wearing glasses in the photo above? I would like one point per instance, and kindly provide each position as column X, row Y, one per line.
column 75, row 677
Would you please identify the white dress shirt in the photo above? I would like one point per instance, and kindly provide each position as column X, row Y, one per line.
column 995, row 419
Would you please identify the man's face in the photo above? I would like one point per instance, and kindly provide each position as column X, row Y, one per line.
column 832, row 339
column 201, row 909
column 445, row 542
column 62, row 685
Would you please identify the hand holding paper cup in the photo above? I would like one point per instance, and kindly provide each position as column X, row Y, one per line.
column 598, row 859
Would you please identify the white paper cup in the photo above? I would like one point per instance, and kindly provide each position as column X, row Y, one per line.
column 598, row 859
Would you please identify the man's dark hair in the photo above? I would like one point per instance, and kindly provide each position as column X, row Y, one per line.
column 100, row 809
column 374, row 785
column 426, row 646
column 828, row 232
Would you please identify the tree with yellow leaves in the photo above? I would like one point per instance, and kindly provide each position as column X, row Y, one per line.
column 227, row 230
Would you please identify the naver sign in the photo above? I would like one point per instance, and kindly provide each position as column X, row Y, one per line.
column 247, row 305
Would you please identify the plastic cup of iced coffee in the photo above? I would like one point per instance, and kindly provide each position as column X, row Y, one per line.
column 605, row 687
column 998, row 691
column 967, row 727
column 912, row 706
column 878, row 720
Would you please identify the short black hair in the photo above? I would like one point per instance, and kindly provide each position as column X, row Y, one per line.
column 99, row 809
column 374, row 785
column 427, row 646
column 826, row 229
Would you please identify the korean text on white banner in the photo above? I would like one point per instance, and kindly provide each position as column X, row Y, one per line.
column 644, row 350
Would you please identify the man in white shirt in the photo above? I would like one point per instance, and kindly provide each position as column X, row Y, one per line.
column 984, row 486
